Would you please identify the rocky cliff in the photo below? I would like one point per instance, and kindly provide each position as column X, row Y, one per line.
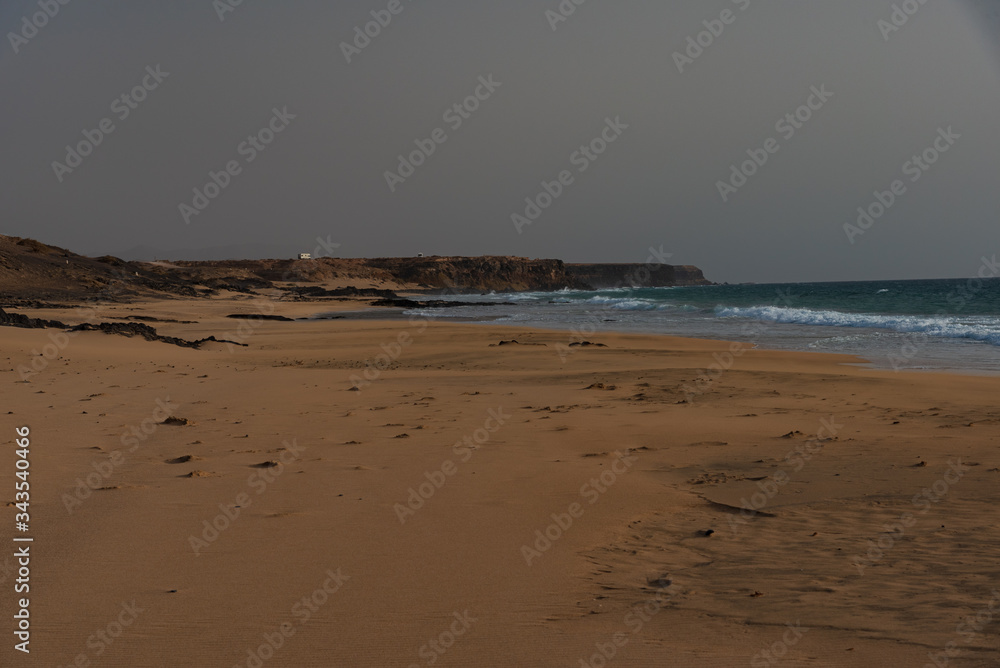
column 478, row 274
column 602, row 276
column 33, row 270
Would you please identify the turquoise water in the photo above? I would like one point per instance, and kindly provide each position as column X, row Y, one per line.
column 928, row 324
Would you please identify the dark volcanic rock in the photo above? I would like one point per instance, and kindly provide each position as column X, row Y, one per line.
column 401, row 302
column 397, row 302
column 128, row 329
column 131, row 329
column 478, row 274
column 349, row 291
column 260, row 316
column 23, row 321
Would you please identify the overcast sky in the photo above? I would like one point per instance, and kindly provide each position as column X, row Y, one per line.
column 553, row 86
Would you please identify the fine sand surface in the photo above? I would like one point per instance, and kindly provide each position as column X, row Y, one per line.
column 602, row 437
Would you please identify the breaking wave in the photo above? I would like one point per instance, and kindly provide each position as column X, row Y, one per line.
column 986, row 330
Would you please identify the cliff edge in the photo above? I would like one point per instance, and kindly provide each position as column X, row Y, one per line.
column 31, row 270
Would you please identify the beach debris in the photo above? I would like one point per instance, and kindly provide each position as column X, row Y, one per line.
column 260, row 316
column 515, row 342
column 600, row 386
column 177, row 421
column 661, row 582
column 129, row 329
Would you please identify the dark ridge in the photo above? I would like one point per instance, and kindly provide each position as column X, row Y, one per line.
column 260, row 316
column 24, row 322
column 350, row 291
column 402, row 302
column 129, row 329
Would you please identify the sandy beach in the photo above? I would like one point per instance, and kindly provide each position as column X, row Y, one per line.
column 456, row 502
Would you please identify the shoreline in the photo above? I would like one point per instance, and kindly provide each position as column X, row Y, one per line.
column 398, row 315
column 351, row 310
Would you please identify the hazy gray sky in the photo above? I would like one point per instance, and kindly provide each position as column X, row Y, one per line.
column 223, row 73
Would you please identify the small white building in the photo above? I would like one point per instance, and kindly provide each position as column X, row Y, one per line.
column 305, row 256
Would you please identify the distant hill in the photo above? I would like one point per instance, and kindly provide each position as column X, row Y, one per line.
column 31, row 270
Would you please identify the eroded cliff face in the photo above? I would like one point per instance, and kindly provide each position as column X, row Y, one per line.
column 457, row 274
column 479, row 274
column 602, row 276
column 32, row 270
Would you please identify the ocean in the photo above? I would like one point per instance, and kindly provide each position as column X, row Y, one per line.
column 951, row 324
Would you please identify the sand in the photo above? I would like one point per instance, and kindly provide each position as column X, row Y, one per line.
column 404, row 522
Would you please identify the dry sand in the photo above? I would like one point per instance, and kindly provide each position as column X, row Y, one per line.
column 604, row 438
